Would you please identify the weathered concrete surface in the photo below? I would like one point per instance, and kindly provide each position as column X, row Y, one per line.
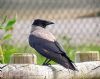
column 31, row 71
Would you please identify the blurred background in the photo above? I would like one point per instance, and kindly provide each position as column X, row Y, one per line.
column 77, row 24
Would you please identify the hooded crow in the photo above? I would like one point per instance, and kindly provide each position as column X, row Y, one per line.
column 46, row 44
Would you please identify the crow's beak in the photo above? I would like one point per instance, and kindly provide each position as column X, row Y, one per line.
column 50, row 23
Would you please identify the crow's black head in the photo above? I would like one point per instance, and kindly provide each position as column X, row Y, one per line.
column 41, row 23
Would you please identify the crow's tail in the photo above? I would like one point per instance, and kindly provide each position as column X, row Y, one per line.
column 67, row 63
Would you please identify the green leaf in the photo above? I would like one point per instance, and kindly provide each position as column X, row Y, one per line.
column 1, row 52
column 7, row 36
column 1, row 27
column 10, row 24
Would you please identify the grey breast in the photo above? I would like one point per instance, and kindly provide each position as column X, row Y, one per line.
column 43, row 33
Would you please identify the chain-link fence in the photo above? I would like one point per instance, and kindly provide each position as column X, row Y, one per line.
column 77, row 22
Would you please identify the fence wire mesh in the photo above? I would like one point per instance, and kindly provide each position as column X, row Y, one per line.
column 77, row 22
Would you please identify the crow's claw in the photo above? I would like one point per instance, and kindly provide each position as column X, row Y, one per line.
column 46, row 64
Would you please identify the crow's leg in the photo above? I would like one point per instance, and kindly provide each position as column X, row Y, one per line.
column 46, row 62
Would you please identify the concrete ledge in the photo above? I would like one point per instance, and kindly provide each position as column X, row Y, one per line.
column 31, row 71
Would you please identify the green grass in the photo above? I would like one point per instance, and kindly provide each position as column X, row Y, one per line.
column 89, row 47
